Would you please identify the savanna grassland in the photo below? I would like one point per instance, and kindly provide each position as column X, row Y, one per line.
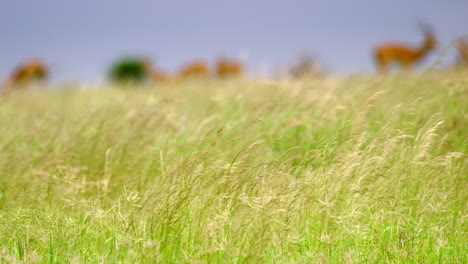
column 349, row 170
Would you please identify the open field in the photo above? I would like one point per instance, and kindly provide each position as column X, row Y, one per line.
column 353, row 170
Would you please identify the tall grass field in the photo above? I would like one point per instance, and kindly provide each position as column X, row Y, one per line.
column 336, row 170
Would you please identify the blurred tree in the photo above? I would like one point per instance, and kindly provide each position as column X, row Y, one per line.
column 130, row 71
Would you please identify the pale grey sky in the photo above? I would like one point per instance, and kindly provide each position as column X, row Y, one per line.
column 81, row 38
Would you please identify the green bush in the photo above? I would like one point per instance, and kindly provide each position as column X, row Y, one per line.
column 129, row 71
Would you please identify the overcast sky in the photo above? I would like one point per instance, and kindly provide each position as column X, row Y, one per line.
column 80, row 38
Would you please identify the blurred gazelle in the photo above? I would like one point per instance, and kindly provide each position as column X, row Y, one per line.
column 229, row 68
column 404, row 55
column 30, row 71
column 198, row 69
column 462, row 47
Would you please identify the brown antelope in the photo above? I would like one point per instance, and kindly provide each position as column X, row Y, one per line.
column 462, row 47
column 404, row 55
column 228, row 68
column 30, row 71
column 194, row 70
column 155, row 73
column 161, row 76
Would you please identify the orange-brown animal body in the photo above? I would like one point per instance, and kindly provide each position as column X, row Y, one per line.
column 29, row 72
column 161, row 76
column 155, row 74
column 194, row 70
column 462, row 51
column 404, row 55
column 228, row 68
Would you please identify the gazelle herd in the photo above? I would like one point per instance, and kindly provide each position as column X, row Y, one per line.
column 224, row 68
column 37, row 71
column 385, row 55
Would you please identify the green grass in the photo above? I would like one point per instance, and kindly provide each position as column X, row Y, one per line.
column 353, row 170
